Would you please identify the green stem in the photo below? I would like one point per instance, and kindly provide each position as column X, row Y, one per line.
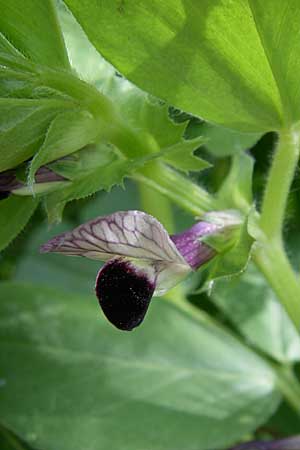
column 269, row 254
column 272, row 261
column 176, row 187
column 279, row 183
column 289, row 386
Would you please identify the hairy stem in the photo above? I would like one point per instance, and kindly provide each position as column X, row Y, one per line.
column 269, row 254
column 289, row 386
column 272, row 261
column 278, row 185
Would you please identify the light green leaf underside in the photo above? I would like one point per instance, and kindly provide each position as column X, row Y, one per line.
column 251, row 305
column 222, row 142
column 32, row 28
column 232, row 62
column 168, row 383
column 14, row 214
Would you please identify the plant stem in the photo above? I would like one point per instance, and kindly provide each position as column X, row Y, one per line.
column 176, row 187
column 289, row 386
column 272, row 261
column 279, row 183
column 269, row 254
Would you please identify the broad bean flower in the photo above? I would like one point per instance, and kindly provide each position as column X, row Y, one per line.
column 141, row 258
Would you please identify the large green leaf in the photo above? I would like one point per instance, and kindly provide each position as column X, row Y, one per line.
column 145, row 114
column 71, row 381
column 14, row 214
column 249, row 303
column 221, row 142
column 32, row 28
column 235, row 62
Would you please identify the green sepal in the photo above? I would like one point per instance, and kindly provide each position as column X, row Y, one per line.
column 235, row 252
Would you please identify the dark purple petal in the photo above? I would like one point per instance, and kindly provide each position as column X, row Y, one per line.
column 8, row 181
column 292, row 443
column 45, row 175
column 124, row 292
column 189, row 244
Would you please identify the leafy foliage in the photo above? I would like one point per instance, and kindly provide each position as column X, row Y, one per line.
column 187, row 379
column 20, row 27
column 140, row 378
column 249, row 303
column 224, row 64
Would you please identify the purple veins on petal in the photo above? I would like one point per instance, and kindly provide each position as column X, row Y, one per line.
column 143, row 260
column 124, row 292
column 133, row 235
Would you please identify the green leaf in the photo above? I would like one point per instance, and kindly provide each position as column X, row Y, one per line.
column 68, row 132
column 277, row 27
column 104, row 175
column 7, row 47
column 145, row 114
column 141, row 111
column 23, row 125
column 15, row 212
column 9, row 441
column 85, row 161
column 236, row 65
column 181, row 155
column 84, row 384
column 33, row 30
column 249, row 303
column 221, row 142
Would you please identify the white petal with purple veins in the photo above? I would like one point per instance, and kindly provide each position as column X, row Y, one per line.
column 134, row 235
